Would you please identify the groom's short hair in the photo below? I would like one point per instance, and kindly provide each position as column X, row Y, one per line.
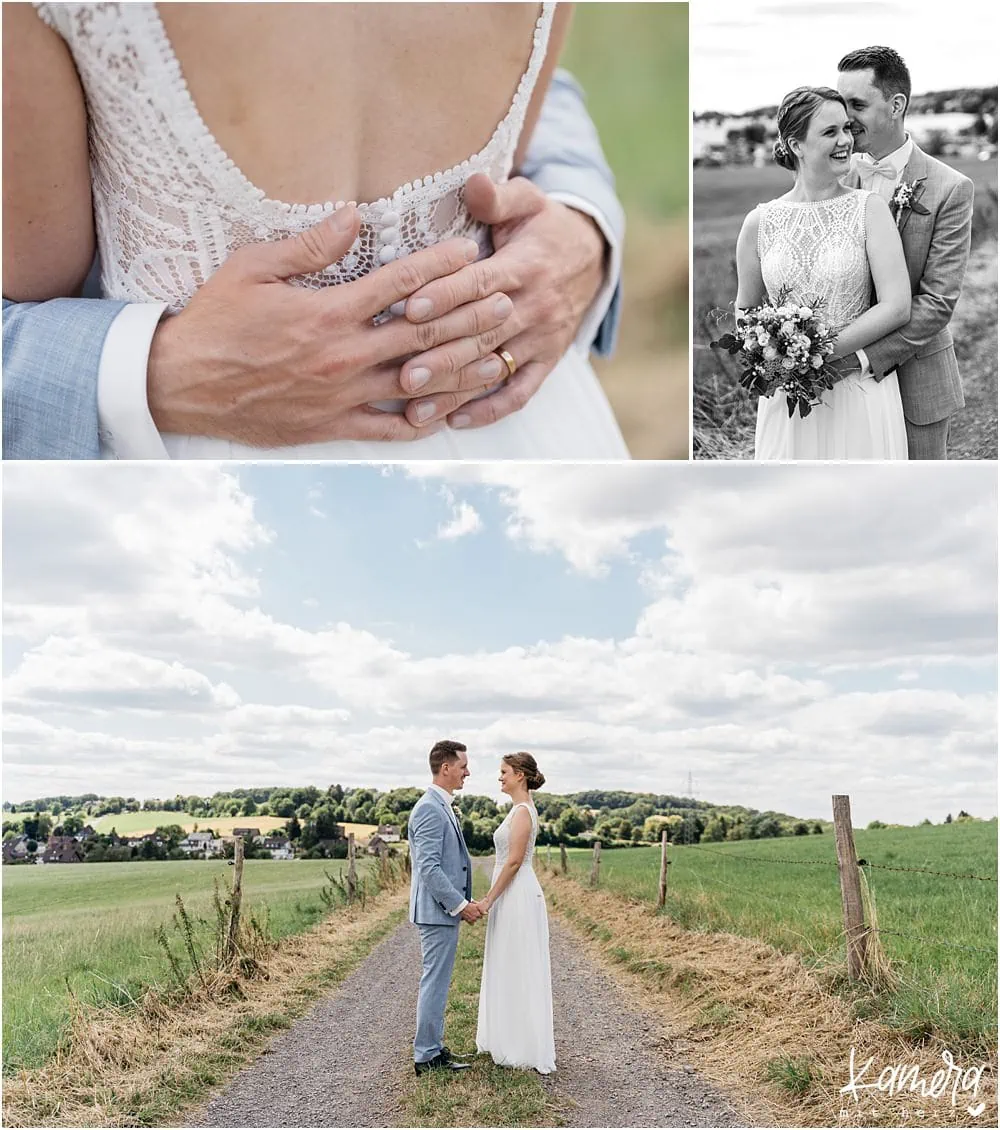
column 444, row 751
column 889, row 73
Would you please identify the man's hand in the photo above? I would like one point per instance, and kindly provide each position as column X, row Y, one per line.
column 471, row 913
column 255, row 359
column 550, row 260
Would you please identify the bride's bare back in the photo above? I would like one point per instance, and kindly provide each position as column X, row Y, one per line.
column 347, row 101
column 312, row 102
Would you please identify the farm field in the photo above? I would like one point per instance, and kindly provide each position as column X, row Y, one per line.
column 140, row 823
column 796, row 907
column 723, row 414
column 93, row 924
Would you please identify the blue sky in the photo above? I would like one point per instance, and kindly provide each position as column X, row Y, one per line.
column 779, row 633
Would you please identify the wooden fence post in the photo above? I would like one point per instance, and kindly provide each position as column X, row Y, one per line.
column 661, row 898
column 235, row 899
column 563, row 861
column 850, row 887
column 352, row 871
column 595, row 867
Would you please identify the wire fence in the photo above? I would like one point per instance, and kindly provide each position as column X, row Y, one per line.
column 867, row 865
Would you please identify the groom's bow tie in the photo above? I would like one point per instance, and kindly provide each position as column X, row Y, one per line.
column 881, row 169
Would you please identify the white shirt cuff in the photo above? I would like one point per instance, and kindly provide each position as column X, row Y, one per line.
column 866, row 369
column 458, row 909
column 599, row 307
column 125, row 427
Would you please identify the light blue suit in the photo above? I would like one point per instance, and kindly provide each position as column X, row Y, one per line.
column 52, row 350
column 441, row 877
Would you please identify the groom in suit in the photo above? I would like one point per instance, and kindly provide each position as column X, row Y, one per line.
column 936, row 232
column 440, row 898
column 79, row 372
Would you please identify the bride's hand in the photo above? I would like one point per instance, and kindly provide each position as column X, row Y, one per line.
column 550, row 259
column 259, row 361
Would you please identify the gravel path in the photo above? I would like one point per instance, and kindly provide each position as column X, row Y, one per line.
column 347, row 1062
column 344, row 1063
column 609, row 1069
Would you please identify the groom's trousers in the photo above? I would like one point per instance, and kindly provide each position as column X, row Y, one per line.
column 438, row 945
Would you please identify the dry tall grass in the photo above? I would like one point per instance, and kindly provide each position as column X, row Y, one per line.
column 757, row 1022
column 146, row 1064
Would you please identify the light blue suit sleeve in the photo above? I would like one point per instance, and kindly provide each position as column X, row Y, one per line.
column 51, row 358
column 424, row 833
column 565, row 155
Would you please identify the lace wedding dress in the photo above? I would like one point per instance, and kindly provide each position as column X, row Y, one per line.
column 170, row 207
column 816, row 249
column 515, row 998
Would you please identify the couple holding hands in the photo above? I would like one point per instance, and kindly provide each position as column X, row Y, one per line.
column 515, row 998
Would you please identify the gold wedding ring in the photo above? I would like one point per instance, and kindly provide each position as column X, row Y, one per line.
column 509, row 361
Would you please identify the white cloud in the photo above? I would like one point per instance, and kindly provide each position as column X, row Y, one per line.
column 765, row 593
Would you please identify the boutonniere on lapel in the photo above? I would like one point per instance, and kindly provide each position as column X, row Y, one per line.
column 904, row 200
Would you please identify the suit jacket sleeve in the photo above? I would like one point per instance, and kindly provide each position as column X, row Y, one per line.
column 51, row 359
column 424, row 833
column 564, row 156
column 939, row 287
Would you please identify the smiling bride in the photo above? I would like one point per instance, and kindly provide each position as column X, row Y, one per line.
column 828, row 247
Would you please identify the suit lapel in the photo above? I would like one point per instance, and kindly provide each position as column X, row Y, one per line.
column 451, row 817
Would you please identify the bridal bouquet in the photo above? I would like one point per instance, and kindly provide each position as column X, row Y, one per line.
column 783, row 346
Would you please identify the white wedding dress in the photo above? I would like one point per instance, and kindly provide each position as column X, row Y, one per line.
column 170, row 207
column 816, row 249
column 515, row 998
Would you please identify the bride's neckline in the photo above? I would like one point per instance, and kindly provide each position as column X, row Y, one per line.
column 221, row 158
column 817, row 203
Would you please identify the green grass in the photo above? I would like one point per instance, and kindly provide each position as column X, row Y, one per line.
column 485, row 1095
column 92, row 925
column 724, row 414
column 796, row 907
column 632, row 61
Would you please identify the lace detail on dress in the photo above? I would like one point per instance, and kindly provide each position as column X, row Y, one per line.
column 170, row 206
column 501, row 837
column 817, row 250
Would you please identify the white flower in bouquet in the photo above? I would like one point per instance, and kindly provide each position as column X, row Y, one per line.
column 805, row 313
column 770, row 352
column 816, row 361
column 787, row 328
column 788, row 363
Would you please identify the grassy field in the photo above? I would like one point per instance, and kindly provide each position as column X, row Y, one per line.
column 724, row 415
column 140, row 823
column 632, row 61
column 731, row 887
column 92, row 926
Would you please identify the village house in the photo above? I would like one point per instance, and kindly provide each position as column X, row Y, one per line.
column 16, row 850
column 377, row 846
column 201, row 842
column 279, row 847
column 85, row 833
column 251, row 834
column 390, row 833
column 62, row 849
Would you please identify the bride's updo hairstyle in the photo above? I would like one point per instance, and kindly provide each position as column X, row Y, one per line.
column 794, row 115
column 525, row 763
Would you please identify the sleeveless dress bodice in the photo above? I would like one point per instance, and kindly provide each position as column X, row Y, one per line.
column 816, row 250
column 815, row 254
column 501, row 839
column 170, row 206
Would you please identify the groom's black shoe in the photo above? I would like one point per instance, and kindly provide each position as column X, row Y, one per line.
column 442, row 1059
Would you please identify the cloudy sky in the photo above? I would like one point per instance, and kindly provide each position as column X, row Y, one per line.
column 750, row 53
column 781, row 634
